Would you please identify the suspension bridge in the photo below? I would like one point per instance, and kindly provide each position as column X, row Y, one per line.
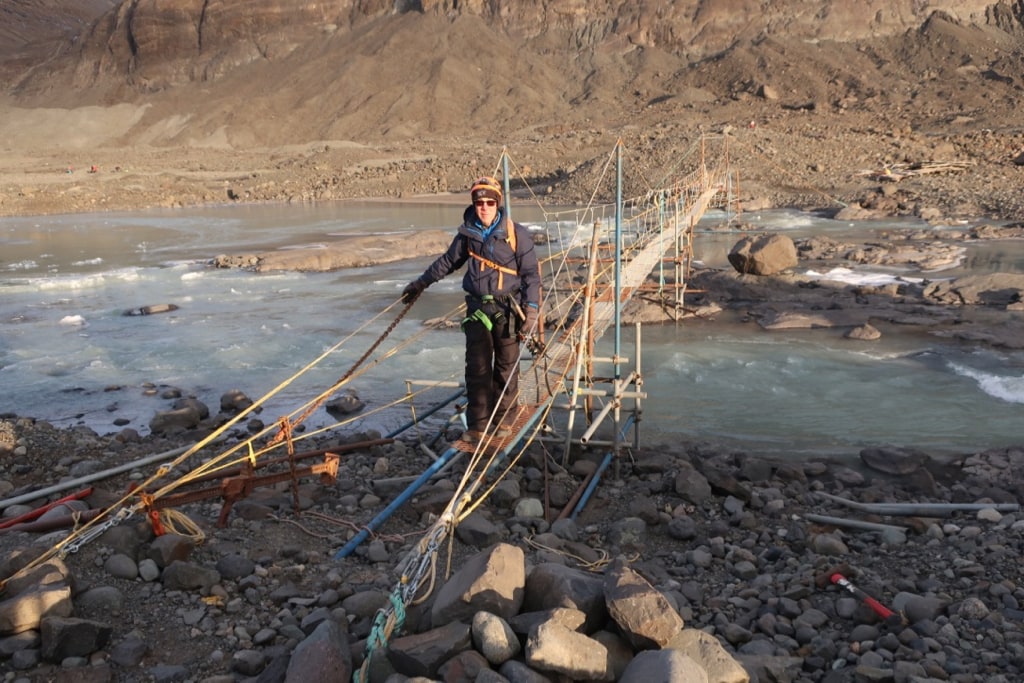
column 638, row 245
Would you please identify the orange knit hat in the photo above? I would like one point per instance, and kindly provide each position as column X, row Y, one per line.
column 486, row 188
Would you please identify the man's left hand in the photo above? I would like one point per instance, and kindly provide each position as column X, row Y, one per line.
column 530, row 324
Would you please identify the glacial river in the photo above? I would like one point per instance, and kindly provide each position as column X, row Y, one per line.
column 65, row 282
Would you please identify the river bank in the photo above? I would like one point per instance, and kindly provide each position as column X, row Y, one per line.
column 738, row 545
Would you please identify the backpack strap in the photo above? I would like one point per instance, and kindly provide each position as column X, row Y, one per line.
column 487, row 263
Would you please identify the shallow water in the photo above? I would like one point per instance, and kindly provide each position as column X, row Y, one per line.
column 66, row 280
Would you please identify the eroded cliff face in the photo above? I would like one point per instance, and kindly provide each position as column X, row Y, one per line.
column 238, row 73
column 155, row 44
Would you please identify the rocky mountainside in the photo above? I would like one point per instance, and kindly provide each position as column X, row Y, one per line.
column 343, row 69
column 26, row 25
column 382, row 98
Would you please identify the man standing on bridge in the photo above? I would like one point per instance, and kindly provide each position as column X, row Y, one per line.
column 502, row 285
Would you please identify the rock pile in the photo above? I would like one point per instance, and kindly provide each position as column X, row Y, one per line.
column 690, row 560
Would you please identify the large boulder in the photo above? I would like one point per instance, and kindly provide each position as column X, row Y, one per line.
column 763, row 255
column 493, row 580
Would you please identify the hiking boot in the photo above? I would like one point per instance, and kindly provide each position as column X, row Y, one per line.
column 471, row 436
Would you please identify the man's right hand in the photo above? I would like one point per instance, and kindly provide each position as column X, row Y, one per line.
column 411, row 291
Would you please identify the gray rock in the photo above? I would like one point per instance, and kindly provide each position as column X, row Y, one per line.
column 19, row 641
column 169, row 548
column 529, row 508
column 691, row 485
column 643, row 614
column 710, row 655
column 62, row 637
column 148, row 570
column 26, row 609
column 494, row 638
column 506, row 492
column 235, row 566
column 682, row 528
column 24, row 659
column 364, row 604
column 518, row 672
column 671, row 666
column 72, row 507
column 188, row 576
column 478, row 531
column 629, row 534
column 492, row 581
column 551, row 647
column 865, row 332
column 171, row 421
column 323, row 656
column 763, row 255
column 918, row 607
column 423, row 654
column 101, row 600
column 525, row 622
column 829, row 544
column 234, row 401
column 377, row 551
column 121, row 566
column 894, row 460
column 129, row 652
column 552, row 585
column 465, row 666
column 248, row 662
column 566, row 529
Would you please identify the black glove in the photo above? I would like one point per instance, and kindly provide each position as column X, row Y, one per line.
column 412, row 290
column 530, row 324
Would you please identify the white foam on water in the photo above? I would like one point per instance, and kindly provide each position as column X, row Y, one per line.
column 1005, row 388
column 860, row 277
column 27, row 264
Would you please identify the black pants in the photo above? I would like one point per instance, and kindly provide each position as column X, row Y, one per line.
column 492, row 361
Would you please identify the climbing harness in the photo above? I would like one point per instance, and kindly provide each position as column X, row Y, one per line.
column 479, row 316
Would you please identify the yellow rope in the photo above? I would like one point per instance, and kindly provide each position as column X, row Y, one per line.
column 179, row 523
column 590, row 566
column 122, row 507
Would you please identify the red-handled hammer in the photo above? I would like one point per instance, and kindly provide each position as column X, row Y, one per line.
column 837, row 577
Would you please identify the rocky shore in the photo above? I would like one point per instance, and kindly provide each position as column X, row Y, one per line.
column 687, row 558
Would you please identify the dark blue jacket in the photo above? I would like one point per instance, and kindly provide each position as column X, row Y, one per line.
column 517, row 273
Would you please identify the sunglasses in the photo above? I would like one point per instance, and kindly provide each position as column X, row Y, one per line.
column 485, row 202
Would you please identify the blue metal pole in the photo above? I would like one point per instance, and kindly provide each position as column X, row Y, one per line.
column 427, row 414
column 592, row 486
column 618, row 257
column 506, row 187
column 396, row 503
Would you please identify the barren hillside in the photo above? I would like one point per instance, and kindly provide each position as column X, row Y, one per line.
column 350, row 98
